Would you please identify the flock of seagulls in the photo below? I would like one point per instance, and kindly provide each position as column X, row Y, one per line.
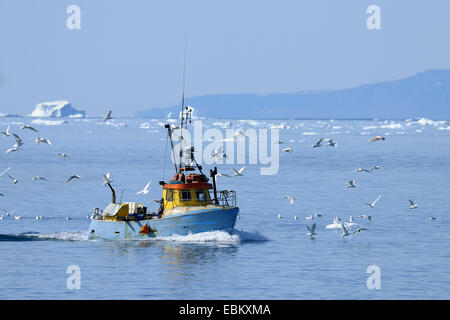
column 349, row 228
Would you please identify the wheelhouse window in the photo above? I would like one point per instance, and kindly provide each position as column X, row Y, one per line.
column 169, row 195
column 201, row 195
column 185, row 195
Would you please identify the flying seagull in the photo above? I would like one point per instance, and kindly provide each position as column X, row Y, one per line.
column 290, row 199
column 43, row 140
column 13, row 179
column 365, row 216
column 332, row 143
column 223, row 175
column 375, row 167
column 372, row 205
column 351, row 184
column 108, row 115
column 5, row 171
column 344, row 231
column 311, row 230
column 6, row 133
column 238, row 172
column 13, row 149
column 145, row 190
column 106, row 178
column 28, row 127
column 362, row 170
column 318, row 143
column 19, row 141
column 75, row 176
column 358, row 230
column 377, row 138
column 412, row 205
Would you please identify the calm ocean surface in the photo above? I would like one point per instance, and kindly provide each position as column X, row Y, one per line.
column 268, row 258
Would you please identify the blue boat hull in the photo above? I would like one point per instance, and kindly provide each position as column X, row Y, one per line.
column 182, row 224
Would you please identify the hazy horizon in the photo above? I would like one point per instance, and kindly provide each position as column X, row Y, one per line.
column 128, row 55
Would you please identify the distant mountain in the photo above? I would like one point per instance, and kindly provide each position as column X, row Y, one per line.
column 426, row 94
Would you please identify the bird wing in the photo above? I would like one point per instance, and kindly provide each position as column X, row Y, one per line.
column 378, row 198
column 411, row 202
column 5, row 171
column 241, row 170
column 313, row 227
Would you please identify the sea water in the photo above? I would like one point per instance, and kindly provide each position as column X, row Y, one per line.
column 266, row 257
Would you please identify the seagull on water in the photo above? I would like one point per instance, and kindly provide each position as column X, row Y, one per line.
column 68, row 218
column 372, row 205
column 28, row 127
column 317, row 215
column 279, row 216
column 432, row 218
column 412, row 205
column 362, row 170
column 311, row 230
column 17, row 217
column 145, row 190
column 351, row 184
column 377, row 138
column 375, row 167
column 238, row 172
column 63, row 155
column 288, row 149
column 75, row 176
column 365, row 216
column 309, row 217
column 290, row 199
column 43, row 140
column 38, row 178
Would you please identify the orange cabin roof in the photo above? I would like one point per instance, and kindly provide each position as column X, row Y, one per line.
column 186, row 186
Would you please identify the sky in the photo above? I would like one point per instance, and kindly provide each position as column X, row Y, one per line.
column 128, row 55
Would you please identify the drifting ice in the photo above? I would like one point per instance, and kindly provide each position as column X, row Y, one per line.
column 57, row 109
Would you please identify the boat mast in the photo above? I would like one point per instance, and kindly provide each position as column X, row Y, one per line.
column 182, row 105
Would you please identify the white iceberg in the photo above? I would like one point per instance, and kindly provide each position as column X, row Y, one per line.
column 57, row 109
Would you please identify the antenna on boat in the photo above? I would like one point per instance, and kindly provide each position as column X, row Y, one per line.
column 121, row 194
column 182, row 104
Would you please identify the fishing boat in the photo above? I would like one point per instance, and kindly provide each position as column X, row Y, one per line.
column 186, row 206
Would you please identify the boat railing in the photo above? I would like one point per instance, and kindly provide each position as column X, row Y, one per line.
column 227, row 198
